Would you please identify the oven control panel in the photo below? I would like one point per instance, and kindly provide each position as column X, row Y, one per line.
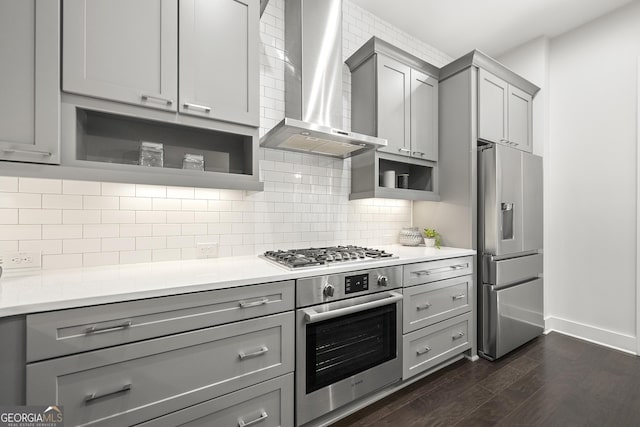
column 333, row 287
column 357, row 283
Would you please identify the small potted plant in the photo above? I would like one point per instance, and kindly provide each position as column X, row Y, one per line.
column 432, row 238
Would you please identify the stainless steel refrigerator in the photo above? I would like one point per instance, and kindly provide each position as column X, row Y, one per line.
column 509, row 245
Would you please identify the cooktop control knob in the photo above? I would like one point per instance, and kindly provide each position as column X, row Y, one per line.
column 383, row 281
column 328, row 290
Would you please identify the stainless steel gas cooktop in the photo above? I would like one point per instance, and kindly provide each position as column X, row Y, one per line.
column 294, row 259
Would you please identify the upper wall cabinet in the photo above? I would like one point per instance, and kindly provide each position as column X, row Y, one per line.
column 30, row 107
column 219, row 68
column 138, row 52
column 504, row 112
column 395, row 96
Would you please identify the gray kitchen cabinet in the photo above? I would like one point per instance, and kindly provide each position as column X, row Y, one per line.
column 438, row 313
column 395, row 96
column 393, row 106
column 141, row 52
column 122, row 50
column 135, row 382
column 504, row 112
column 424, row 116
column 29, row 67
column 60, row 333
column 268, row 404
column 219, row 59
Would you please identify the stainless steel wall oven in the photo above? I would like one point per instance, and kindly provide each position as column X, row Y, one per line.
column 348, row 341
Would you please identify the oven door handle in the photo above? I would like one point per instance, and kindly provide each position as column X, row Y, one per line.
column 312, row 316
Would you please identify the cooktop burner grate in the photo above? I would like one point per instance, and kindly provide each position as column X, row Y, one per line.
column 313, row 257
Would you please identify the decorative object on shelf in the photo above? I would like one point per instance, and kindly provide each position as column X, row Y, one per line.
column 151, row 154
column 403, row 180
column 194, row 162
column 432, row 238
column 389, row 179
column 410, row 236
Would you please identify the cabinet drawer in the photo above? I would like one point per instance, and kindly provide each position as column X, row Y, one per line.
column 136, row 382
column 71, row 331
column 432, row 345
column 268, row 404
column 431, row 271
column 427, row 304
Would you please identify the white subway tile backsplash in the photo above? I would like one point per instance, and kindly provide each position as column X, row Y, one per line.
column 100, row 230
column 8, row 216
column 114, row 244
column 132, row 257
column 166, row 204
column 136, row 230
column 20, row 200
column 166, row 255
column 151, row 217
column 61, row 261
column 10, row 245
column 180, row 217
column 102, row 258
column 150, row 191
column 80, row 216
column 38, row 185
column 89, row 188
column 167, row 229
column 180, row 242
column 20, row 232
column 46, row 247
column 151, row 243
column 194, row 205
column 135, row 203
column 180, row 192
column 118, row 189
column 101, row 202
column 77, row 246
column 40, row 216
column 118, row 217
column 194, row 229
column 62, row 231
column 8, row 184
column 207, row 193
column 61, row 201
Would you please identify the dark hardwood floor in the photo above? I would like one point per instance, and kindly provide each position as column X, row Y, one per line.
column 554, row 380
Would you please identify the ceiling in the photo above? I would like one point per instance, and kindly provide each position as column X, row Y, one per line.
column 493, row 26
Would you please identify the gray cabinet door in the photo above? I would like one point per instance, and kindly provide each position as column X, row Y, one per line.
column 219, row 69
column 520, row 119
column 394, row 105
column 424, row 116
column 29, row 70
column 492, row 108
column 122, row 50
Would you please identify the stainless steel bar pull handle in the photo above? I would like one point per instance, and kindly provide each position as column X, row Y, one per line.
column 34, row 152
column 423, row 350
column 312, row 316
column 197, row 107
column 263, row 416
column 418, row 153
column 424, row 306
column 242, row 355
column 458, row 336
column 457, row 297
column 404, row 150
column 440, row 270
column 244, row 304
column 102, row 329
column 93, row 396
column 146, row 97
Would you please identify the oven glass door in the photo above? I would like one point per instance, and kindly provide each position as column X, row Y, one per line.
column 340, row 347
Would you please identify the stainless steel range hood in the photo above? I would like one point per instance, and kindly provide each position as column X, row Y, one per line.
column 313, row 84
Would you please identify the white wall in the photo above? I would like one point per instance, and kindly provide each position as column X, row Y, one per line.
column 305, row 202
column 590, row 161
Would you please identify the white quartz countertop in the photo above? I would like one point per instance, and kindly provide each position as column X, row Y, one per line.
column 67, row 288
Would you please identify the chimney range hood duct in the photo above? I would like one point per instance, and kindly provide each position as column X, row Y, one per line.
column 313, row 84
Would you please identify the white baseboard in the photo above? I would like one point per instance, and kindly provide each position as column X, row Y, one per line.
column 614, row 340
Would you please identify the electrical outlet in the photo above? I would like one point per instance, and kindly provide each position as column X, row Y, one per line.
column 16, row 260
column 207, row 250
